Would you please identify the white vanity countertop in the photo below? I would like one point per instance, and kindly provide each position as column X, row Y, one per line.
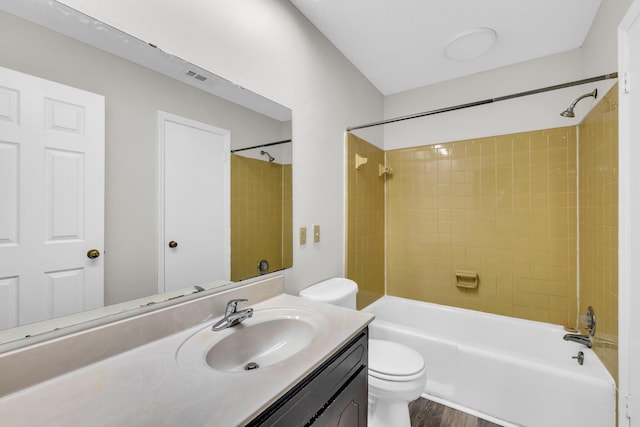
column 147, row 387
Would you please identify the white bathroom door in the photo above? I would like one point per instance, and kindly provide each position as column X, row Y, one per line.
column 51, row 199
column 629, row 215
column 194, row 238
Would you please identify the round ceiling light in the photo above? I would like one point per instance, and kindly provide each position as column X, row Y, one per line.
column 470, row 44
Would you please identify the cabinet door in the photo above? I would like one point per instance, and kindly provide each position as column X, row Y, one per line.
column 349, row 409
column 335, row 394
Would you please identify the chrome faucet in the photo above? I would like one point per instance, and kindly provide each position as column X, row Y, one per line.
column 580, row 339
column 232, row 316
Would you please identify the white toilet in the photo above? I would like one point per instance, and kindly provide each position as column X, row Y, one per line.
column 397, row 373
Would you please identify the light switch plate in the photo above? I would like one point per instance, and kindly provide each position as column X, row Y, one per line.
column 316, row 233
column 303, row 235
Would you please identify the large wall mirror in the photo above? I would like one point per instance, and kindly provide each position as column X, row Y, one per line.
column 151, row 100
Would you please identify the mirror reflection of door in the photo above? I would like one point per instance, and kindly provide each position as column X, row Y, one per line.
column 51, row 199
column 194, row 242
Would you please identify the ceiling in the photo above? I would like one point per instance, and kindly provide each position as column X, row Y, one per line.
column 402, row 44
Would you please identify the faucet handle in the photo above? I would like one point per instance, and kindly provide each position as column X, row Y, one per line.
column 232, row 305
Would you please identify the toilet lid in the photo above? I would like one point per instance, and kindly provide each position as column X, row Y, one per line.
column 392, row 361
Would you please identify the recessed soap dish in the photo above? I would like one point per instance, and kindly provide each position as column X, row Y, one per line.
column 466, row 279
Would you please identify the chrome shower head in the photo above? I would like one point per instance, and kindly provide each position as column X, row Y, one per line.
column 271, row 158
column 569, row 111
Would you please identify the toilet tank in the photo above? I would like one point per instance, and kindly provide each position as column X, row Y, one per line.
column 337, row 291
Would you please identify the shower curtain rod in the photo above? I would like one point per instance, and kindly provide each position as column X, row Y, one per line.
column 487, row 101
column 262, row 145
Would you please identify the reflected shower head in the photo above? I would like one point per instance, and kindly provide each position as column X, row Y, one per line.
column 569, row 111
column 271, row 158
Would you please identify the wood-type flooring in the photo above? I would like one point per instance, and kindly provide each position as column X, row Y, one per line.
column 426, row 413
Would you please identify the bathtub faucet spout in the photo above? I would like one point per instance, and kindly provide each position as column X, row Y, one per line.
column 580, row 339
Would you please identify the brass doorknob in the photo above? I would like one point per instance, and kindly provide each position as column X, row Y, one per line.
column 93, row 254
column 173, row 244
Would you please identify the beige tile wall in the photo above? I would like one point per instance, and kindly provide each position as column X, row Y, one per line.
column 598, row 160
column 365, row 221
column 257, row 219
column 504, row 207
column 287, row 216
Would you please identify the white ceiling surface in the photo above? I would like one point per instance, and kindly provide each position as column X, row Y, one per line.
column 399, row 44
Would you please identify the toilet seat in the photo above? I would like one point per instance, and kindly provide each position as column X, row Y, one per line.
column 396, row 373
column 391, row 361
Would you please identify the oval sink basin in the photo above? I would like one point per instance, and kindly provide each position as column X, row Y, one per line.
column 269, row 337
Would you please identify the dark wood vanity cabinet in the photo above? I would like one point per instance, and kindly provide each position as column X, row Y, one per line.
column 335, row 394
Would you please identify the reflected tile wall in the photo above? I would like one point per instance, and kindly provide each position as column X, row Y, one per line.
column 504, row 207
column 287, row 216
column 257, row 220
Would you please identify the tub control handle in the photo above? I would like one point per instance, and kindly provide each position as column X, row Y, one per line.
column 580, row 358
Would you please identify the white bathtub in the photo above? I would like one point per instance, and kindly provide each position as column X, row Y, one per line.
column 507, row 370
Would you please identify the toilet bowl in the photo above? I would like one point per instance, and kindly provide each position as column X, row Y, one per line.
column 396, row 374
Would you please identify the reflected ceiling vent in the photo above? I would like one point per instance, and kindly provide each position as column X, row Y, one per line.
column 195, row 75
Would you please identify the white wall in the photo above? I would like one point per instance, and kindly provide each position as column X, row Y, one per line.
column 600, row 48
column 516, row 115
column 269, row 47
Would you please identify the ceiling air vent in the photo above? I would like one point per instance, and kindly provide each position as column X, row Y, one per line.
column 196, row 75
